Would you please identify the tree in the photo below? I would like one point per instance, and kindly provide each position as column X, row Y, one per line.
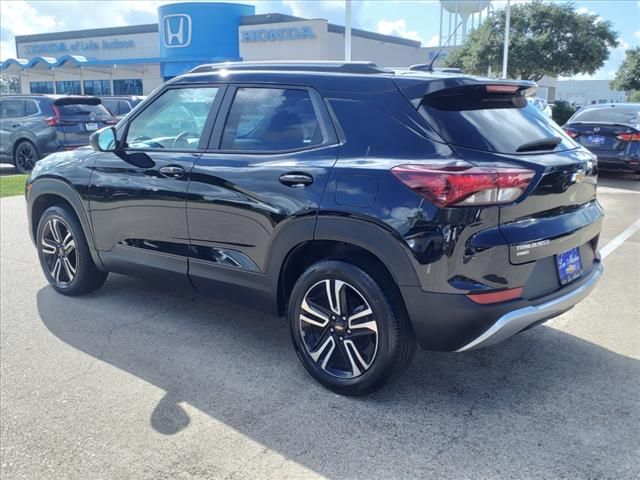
column 628, row 75
column 9, row 84
column 562, row 111
column 545, row 39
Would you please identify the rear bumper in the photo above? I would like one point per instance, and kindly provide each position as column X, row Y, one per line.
column 515, row 322
column 618, row 161
column 448, row 322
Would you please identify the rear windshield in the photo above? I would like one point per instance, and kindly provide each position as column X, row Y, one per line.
column 81, row 109
column 494, row 122
column 617, row 114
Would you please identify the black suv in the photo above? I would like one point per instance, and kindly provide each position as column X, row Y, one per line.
column 33, row 126
column 377, row 209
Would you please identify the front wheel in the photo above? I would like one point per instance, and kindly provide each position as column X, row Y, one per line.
column 64, row 253
column 349, row 335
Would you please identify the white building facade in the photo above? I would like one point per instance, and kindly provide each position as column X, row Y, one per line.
column 134, row 60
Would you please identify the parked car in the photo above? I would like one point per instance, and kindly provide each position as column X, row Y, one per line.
column 119, row 106
column 376, row 209
column 33, row 126
column 611, row 131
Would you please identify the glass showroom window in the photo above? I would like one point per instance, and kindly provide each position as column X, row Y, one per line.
column 97, row 87
column 127, row 87
column 69, row 87
column 41, row 87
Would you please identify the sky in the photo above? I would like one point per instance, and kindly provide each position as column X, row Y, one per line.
column 414, row 19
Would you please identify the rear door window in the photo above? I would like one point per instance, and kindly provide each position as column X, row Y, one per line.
column 11, row 108
column 271, row 119
column 493, row 122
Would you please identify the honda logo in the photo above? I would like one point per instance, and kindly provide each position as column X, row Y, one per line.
column 176, row 30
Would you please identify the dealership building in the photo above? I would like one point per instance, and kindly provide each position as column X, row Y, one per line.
column 134, row 60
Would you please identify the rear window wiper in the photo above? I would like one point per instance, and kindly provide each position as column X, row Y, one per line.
column 540, row 144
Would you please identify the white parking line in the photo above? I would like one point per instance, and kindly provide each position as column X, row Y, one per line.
column 606, row 250
column 620, row 239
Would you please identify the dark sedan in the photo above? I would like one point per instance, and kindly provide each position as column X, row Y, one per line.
column 612, row 132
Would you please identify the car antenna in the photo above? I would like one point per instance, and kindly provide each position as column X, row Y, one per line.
column 428, row 67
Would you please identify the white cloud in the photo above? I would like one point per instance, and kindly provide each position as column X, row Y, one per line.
column 302, row 8
column 398, row 28
column 20, row 18
column 433, row 41
column 637, row 34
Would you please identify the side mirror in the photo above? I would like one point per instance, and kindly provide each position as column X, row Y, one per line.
column 104, row 140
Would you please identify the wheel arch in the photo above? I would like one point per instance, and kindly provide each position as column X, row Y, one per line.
column 47, row 192
column 359, row 242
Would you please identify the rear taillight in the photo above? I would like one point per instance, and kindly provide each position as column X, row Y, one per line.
column 56, row 120
column 111, row 121
column 571, row 133
column 629, row 137
column 462, row 185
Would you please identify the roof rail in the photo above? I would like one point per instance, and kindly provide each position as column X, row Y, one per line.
column 306, row 66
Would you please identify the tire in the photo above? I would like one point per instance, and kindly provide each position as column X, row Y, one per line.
column 356, row 353
column 25, row 156
column 64, row 253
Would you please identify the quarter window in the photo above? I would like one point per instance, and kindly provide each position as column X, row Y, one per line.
column 31, row 107
column 176, row 119
column 271, row 119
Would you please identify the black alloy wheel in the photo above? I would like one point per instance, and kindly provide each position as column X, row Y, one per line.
column 338, row 328
column 64, row 253
column 25, row 157
column 59, row 250
column 349, row 327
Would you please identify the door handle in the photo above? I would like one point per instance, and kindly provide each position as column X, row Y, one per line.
column 173, row 171
column 15, row 125
column 296, row 180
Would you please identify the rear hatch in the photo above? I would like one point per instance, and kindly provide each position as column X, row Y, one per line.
column 78, row 117
column 490, row 123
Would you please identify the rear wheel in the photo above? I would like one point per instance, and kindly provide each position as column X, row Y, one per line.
column 349, row 335
column 25, row 156
column 64, row 253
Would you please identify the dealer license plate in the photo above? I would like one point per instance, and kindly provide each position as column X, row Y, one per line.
column 569, row 265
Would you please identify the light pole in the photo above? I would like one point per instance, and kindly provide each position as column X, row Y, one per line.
column 505, row 52
column 347, row 30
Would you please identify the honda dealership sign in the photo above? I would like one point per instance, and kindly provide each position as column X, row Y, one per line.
column 272, row 34
column 176, row 30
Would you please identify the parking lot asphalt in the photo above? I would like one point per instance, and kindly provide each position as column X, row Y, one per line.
column 138, row 381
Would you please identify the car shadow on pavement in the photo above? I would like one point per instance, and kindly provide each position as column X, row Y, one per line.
column 543, row 397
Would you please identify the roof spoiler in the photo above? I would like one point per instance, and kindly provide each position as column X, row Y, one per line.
column 415, row 89
column 77, row 100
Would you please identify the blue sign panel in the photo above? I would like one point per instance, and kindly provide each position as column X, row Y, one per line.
column 193, row 33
